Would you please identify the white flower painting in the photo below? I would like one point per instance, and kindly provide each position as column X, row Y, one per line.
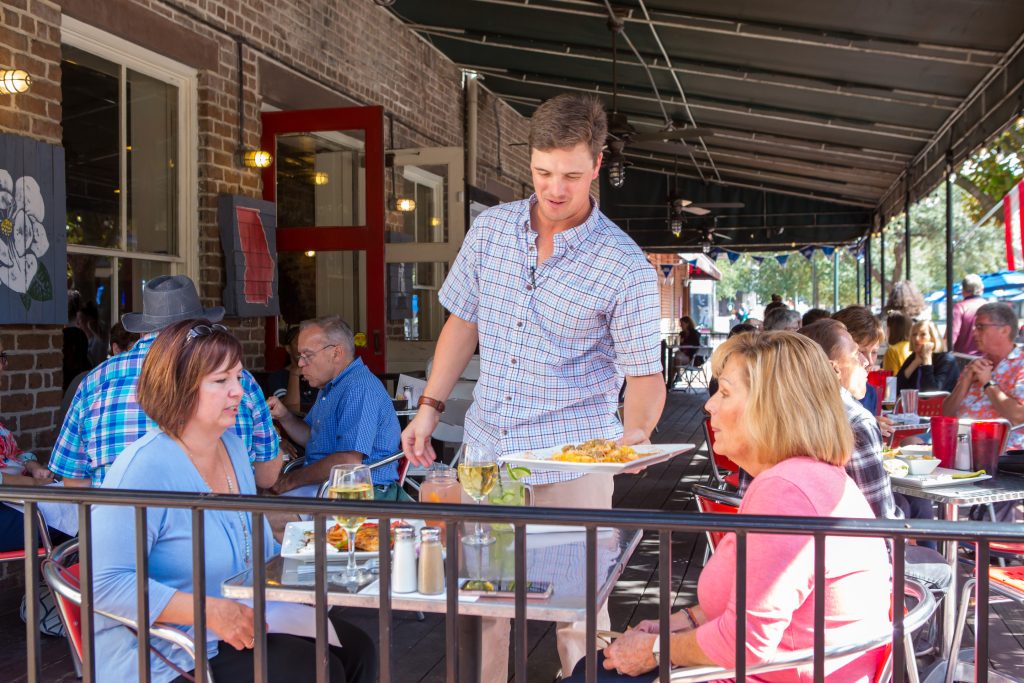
column 23, row 240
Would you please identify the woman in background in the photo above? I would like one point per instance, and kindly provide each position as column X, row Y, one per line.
column 899, row 341
column 928, row 367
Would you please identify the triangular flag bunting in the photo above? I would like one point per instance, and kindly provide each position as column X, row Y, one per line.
column 782, row 258
column 734, row 256
column 807, row 252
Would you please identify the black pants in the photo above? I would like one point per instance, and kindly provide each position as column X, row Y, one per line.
column 293, row 658
column 12, row 530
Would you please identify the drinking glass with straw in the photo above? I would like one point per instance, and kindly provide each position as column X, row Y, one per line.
column 478, row 473
column 351, row 482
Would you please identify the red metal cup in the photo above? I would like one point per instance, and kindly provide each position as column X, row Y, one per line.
column 944, row 431
column 986, row 443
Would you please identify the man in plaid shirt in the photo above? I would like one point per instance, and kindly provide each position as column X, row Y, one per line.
column 563, row 305
column 105, row 417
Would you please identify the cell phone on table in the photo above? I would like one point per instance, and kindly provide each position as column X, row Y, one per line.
column 535, row 590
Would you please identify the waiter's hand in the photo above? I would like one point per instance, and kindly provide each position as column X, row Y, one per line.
column 416, row 437
column 633, row 437
column 884, row 425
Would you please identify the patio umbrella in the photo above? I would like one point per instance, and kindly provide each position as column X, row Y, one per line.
column 1000, row 285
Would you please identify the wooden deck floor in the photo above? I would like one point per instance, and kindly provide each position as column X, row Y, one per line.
column 419, row 645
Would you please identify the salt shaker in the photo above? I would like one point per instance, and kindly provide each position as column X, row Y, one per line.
column 407, row 394
column 962, row 461
column 403, row 563
column 431, row 569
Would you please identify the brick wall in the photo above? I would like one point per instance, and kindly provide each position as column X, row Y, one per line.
column 30, row 388
column 355, row 49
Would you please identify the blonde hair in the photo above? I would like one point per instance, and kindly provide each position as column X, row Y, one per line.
column 794, row 406
column 933, row 332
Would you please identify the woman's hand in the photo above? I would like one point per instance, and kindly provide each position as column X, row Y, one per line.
column 231, row 621
column 39, row 474
column 631, row 653
column 927, row 348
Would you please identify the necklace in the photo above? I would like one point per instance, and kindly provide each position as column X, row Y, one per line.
column 247, row 543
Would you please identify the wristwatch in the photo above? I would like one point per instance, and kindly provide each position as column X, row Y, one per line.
column 986, row 385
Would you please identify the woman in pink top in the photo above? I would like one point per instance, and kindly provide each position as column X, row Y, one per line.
column 778, row 415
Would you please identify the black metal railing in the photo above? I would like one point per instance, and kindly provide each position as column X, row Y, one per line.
column 981, row 534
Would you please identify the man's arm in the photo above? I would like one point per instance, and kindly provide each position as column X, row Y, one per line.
column 77, row 483
column 455, row 347
column 643, row 403
column 267, row 472
column 298, row 430
column 951, row 404
column 317, row 472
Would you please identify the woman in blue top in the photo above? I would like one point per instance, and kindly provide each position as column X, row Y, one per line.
column 190, row 386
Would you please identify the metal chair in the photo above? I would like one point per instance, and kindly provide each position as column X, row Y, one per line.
column 1004, row 582
column 693, row 371
column 61, row 575
column 724, row 472
column 45, row 544
column 715, row 501
column 403, row 469
column 914, row 619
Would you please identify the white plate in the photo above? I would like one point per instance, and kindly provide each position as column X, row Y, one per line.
column 540, row 459
column 295, row 546
column 942, row 476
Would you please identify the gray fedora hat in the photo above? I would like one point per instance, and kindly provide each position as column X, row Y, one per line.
column 168, row 299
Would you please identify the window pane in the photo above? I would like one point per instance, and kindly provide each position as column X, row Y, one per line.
column 414, row 312
column 89, row 115
column 427, row 222
column 89, row 279
column 152, row 157
column 323, row 283
column 321, row 179
column 132, row 276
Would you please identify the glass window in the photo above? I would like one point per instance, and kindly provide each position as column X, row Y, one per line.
column 414, row 311
column 152, row 157
column 320, row 179
column 426, row 222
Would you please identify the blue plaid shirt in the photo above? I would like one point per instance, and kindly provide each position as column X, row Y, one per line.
column 105, row 418
column 353, row 412
column 555, row 340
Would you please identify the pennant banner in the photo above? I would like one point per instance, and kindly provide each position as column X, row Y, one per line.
column 666, row 270
column 807, row 252
column 714, row 253
column 758, row 259
column 828, row 251
column 1013, row 219
column 782, row 258
column 734, row 256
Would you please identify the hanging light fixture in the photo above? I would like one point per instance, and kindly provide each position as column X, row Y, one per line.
column 250, row 158
column 320, row 178
column 405, row 204
column 616, row 164
column 675, row 224
column 14, row 81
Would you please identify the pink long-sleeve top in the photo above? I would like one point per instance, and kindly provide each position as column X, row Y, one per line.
column 780, row 578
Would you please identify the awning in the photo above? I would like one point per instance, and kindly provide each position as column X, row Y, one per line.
column 847, row 106
column 701, row 267
column 1004, row 285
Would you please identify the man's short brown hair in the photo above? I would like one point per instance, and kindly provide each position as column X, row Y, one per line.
column 566, row 120
column 168, row 390
column 862, row 324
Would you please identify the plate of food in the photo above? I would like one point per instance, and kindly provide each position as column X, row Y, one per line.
column 596, row 455
column 941, row 476
column 297, row 543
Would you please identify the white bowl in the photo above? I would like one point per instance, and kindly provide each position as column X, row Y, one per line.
column 920, row 451
column 922, row 465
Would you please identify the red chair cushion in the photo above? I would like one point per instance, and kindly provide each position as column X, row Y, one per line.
column 19, row 555
column 72, row 612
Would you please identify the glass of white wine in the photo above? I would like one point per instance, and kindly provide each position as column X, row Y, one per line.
column 478, row 473
column 351, row 482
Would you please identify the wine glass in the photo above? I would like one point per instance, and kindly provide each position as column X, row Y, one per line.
column 351, row 482
column 478, row 473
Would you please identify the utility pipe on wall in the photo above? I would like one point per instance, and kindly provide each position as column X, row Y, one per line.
column 472, row 92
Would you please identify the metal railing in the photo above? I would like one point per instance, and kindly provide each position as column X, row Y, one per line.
column 981, row 534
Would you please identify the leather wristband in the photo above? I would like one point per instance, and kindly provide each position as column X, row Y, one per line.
column 432, row 402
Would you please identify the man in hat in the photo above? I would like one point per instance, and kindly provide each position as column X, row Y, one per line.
column 105, row 418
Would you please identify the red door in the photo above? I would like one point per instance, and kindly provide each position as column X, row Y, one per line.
column 327, row 179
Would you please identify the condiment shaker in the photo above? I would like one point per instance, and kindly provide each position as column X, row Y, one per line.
column 431, row 569
column 403, row 562
column 962, row 461
column 407, row 395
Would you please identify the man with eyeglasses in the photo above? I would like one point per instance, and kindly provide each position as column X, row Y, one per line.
column 992, row 386
column 353, row 419
column 105, row 418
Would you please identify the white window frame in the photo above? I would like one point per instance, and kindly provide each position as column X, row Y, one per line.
column 185, row 79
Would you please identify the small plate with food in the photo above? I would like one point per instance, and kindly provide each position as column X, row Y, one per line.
column 297, row 543
column 596, row 455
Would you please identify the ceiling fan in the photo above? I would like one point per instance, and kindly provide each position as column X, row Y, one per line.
column 621, row 132
column 705, row 238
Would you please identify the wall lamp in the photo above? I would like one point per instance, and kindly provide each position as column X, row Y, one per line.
column 14, row 81
column 255, row 158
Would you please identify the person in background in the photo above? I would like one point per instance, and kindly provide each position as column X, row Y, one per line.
column 738, row 329
column 964, row 313
column 689, row 341
column 87, row 319
column 813, row 315
column 796, row 456
column 992, row 386
column 776, row 302
column 121, row 340
column 781, row 318
column 899, row 341
column 191, row 385
column 928, row 367
column 104, row 417
column 352, row 421
column 906, row 298
column 75, row 361
column 867, row 331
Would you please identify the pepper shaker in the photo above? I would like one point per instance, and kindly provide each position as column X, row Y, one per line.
column 431, row 569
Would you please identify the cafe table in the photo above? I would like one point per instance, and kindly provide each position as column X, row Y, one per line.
column 553, row 554
column 999, row 489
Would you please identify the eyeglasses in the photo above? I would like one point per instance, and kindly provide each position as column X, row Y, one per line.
column 305, row 357
column 981, row 326
column 204, row 331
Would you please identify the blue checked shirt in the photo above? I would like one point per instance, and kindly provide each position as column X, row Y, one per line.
column 353, row 412
column 555, row 340
column 105, row 418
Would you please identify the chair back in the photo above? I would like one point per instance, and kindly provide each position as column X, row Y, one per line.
column 711, row 500
column 929, row 404
column 720, row 463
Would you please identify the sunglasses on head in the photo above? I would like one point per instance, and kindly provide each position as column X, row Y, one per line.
column 204, row 330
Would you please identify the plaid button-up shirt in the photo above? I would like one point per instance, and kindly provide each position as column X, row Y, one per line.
column 865, row 464
column 1009, row 375
column 105, row 418
column 555, row 340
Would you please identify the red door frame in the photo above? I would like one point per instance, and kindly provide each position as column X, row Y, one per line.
column 368, row 237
